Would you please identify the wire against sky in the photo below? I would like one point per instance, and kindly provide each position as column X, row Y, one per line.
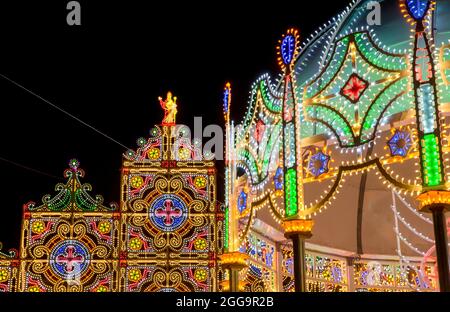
column 29, row 168
column 63, row 111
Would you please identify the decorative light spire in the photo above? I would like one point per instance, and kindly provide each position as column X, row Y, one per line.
column 74, row 164
column 288, row 48
column 415, row 10
column 227, row 102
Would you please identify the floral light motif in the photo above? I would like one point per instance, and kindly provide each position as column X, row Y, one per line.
column 200, row 244
column 38, row 227
column 135, row 243
column 400, row 143
column 200, row 182
column 200, row 275
column 136, row 182
column 104, row 227
column 153, row 153
column 4, row 275
column 354, row 88
column 134, row 275
column 184, row 153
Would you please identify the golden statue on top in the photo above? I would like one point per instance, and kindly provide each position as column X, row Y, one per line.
column 170, row 109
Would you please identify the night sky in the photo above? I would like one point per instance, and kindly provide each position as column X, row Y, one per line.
column 109, row 72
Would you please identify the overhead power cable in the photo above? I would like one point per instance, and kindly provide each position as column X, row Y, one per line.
column 29, row 168
column 63, row 111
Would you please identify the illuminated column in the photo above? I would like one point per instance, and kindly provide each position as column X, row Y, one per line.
column 232, row 260
column 279, row 268
column 437, row 203
column 295, row 226
column 298, row 231
column 350, row 274
column 434, row 198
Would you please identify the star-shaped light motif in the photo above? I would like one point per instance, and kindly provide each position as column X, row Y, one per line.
column 400, row 143
column 318, row 164
column 278, row 179
column 354, row 88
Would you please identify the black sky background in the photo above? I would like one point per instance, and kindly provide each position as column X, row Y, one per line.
column 109, row 72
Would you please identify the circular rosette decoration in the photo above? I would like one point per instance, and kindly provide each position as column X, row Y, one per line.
column 201, row 275
column 154, row 153
column 136, row 182
column 69, row 259
column 38, row 227
column 155, row 132
column 141, row 142
column 184, row 153
column 4, row 275
column 200, row 244
column 135, row 244
column 104, row 227
column 200, row 182
column 134, row 275
column 168, row 212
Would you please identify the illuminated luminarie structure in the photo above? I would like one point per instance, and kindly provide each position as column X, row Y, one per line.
column 165, row 235
column 356, row 124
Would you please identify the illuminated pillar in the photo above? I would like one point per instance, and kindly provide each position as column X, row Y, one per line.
column 298, row 231
column 437, row 203
column 232, row 260
column 434, row 198
column 279, row 267
column 440, row 237
column 296, row 226
column 350, row 261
